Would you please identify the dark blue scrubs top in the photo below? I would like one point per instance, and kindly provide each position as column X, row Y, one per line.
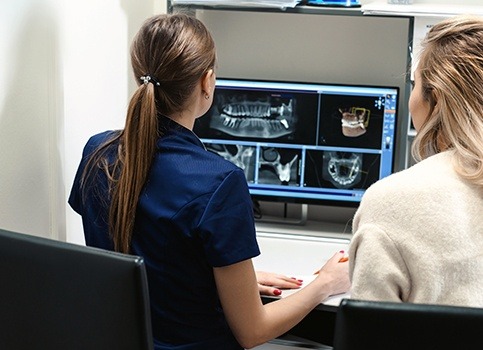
column 194, row 213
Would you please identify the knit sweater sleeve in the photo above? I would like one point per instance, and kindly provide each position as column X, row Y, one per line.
column 377, row 269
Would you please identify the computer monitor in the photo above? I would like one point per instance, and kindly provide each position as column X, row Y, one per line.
column 309, row 143
column 58, row 296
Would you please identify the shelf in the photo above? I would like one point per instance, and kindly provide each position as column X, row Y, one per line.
column 379, row 8
column 419, row 10
column 302, row 9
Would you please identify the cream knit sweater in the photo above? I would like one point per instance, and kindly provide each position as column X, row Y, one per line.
column 418, row 237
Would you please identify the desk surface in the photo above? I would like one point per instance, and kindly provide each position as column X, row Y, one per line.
column 295, row 255
column 314, row 229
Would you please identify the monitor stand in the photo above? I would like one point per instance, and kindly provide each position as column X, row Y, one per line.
column 301, row 220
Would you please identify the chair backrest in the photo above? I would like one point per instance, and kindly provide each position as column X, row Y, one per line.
column 394, row 326
column 57, row 296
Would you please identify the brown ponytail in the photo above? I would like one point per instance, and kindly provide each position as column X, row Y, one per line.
column 138, row 144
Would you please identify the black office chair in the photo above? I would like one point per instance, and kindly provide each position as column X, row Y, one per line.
column 58, row 296
column 397, row 326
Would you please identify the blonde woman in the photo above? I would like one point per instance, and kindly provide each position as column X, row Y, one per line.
column 418, row 234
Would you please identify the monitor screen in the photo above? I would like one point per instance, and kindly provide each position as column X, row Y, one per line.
column 308, row 143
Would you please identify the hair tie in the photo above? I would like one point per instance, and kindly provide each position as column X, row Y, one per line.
column 149, row 79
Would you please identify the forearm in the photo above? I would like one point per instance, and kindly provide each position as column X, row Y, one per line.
column 289, row 311
column 252, row 322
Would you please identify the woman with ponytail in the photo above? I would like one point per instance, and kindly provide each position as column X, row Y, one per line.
column 153, row 190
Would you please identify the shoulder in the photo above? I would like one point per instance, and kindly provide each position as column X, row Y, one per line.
column 416, row 192
column 188, row 172
column 195, row 159
column 221, row 162
column 221, row 177
column 99, row 139
column 432, row 173
column 182, row 147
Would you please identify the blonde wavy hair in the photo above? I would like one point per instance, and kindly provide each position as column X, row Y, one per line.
column 451, row 73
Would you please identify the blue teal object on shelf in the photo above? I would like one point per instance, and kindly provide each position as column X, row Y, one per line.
column 344, row 3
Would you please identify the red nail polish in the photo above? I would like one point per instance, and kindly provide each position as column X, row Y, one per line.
column 277, row 292
column 341, row 252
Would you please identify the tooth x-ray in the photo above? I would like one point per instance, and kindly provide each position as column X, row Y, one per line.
column 253, row 114
column 260, row 115
column 278, row 166
column 344, row 170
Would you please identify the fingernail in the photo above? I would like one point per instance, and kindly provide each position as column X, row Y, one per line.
column 342, row 252
column 300, row 281
column 277, row 292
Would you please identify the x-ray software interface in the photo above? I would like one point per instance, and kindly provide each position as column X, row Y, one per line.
column 303, row 142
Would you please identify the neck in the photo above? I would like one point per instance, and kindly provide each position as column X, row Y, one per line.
column 188, row 123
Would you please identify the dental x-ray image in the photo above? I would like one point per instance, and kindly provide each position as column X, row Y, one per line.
column 245, row 114
column 344, row 170
column 254, row 114
column 279, row 166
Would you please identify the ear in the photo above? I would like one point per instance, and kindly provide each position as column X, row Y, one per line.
column 208, row 82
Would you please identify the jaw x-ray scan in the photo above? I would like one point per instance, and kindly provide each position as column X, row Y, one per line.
column 253, row 114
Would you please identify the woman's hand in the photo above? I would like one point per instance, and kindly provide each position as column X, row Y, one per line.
column 270, row 283
column 335, row 274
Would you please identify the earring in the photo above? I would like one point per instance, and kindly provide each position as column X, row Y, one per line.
column 207, row 97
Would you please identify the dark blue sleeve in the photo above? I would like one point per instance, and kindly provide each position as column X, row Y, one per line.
column 77, row 192
column 91, row 199
column 227, row 227
column 75, row 197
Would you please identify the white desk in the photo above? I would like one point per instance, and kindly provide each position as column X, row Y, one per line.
column 299, row 250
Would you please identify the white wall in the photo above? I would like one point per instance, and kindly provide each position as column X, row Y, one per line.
column 64, row 75
column 30, row 106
